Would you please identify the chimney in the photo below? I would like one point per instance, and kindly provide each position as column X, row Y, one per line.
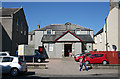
column 114, row 3
column 38, row 26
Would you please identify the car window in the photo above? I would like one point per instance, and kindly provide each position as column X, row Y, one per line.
column 87, row 55
column 1, row 59
column 3, row 54
column 94, row 55
column 99, row 55
column 7, row 59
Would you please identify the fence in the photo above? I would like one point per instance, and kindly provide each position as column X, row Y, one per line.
column 112, row 56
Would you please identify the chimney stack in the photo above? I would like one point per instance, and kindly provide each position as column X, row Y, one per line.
column 38, row 26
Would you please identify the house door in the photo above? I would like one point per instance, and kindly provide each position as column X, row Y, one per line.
column 67, row 49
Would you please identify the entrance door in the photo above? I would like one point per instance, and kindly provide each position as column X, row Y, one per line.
column 67, row 49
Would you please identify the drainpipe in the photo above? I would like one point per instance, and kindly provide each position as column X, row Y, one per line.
column 106, row 34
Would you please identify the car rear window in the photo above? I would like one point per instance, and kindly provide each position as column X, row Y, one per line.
column 3, row 54
column 7, row 59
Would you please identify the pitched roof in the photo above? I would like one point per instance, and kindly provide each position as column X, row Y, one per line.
column 62, row 27
column 6, row 12
column 51, row 38
column 66, row 33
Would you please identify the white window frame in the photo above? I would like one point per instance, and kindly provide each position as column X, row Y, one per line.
column 49, row 30
column 100, row 38
column 50, row 47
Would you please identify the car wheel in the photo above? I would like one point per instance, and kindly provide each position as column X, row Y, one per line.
column 14, row 72
column 39, row 60
column 104, row 62
column 87, row 62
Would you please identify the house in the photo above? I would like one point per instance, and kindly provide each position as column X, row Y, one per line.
column 14, row 29
column 58, row 40
column 108, row 38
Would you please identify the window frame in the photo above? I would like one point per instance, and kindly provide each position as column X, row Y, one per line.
column 50, row 47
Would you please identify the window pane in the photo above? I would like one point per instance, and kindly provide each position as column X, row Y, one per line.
column 48, row 31
column 7, row 59
column 50, row 47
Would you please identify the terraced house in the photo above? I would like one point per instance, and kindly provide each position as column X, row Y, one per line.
column 60, row 39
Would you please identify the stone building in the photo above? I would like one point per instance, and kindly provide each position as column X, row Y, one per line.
column 14, row 29
column 60, row 39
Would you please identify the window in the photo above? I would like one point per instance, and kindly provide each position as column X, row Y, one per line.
column 21, row 27
column 50, row 47
column 99, row 55
column 24, row 32
column 7, row 59
column 78, row 32
column 31, row 37
column 100, row 38
column 3, row 54
column 96, row 39
column 48, row 31
column 17, row 21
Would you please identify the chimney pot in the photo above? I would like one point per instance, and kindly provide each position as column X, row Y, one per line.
column 38, row 26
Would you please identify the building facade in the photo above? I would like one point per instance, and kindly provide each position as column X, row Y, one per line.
column 14, row 29
column 109, row 34
column 58, row 40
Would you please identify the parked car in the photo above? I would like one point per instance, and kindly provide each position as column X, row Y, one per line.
column 96, row 58
column 79, row 57
column 37, row 57
column 12, row 65
column 4, row 54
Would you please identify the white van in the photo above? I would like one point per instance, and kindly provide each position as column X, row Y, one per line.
column 4, row 54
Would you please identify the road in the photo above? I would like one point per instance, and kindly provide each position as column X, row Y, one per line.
column 67, row 68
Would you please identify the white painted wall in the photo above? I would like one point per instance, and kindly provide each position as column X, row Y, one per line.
column 112, row 26
column 38, row 38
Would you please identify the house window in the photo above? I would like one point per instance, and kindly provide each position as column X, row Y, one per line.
column 24, row 32
column 31, row 37
column 50, row 47
column 17, row 21
column 100, row 38
column 48, row 31
column 78, row 32
column 96, row 39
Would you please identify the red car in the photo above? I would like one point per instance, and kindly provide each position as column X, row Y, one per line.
column 96, row 58
column 77, row 58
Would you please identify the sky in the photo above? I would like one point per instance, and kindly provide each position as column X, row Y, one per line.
column 87, row 14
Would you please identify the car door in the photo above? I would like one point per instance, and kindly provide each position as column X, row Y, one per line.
column 6, row 64
column 93, row 58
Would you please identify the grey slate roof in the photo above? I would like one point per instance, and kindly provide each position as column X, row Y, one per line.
column 62, row 27
column 51, row 38
column 6, row 12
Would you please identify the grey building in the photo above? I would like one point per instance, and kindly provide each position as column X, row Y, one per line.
column 13, row 28
column 60, row 39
